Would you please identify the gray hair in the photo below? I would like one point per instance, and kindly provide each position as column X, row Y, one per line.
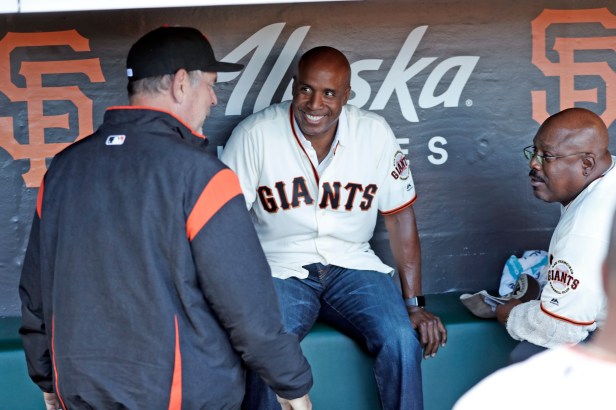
column 159, row 84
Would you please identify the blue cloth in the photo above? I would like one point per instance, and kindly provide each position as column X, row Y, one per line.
column 531, row 263
column 367, row 306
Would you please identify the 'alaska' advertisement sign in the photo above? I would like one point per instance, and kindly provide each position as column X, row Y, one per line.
column 463, row 88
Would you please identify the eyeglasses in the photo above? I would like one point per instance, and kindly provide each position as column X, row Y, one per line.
column 530, row 152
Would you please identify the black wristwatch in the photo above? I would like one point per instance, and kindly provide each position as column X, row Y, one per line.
column 419, row 301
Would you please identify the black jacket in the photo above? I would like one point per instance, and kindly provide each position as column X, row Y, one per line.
column 144, row 284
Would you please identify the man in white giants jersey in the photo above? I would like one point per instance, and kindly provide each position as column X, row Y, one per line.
column 567, row 377
column 315, row 173
column 570, row 163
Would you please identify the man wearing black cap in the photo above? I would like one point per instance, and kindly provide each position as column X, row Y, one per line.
column 144, row 284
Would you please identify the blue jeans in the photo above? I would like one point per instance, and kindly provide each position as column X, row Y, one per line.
column 365, row 305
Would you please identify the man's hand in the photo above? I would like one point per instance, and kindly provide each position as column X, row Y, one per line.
column 432, row 333
column 502, row 311
column 302, row 403
column 51, row 401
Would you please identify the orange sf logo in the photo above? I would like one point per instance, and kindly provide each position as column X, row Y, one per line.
column 566, row 69
column 35, row 94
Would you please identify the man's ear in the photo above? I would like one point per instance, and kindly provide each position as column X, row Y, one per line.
column 179, row 86
column 347, row 94
column 588, row 164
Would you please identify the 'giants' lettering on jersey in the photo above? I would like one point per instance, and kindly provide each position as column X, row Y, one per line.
column 560, row 277
column 401, row 167
column 334, row 195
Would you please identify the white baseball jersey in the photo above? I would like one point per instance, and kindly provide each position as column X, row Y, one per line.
column 303, row 217
column 573, row 301
column 563, row 378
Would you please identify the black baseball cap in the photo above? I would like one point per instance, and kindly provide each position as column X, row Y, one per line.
column 166, row 49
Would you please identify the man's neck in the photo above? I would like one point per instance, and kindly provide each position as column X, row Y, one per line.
column 155, row 100
column 322, row 144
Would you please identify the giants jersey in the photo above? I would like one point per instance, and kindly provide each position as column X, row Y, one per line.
column 572, row 302
column 574, row 291
column 302, row 217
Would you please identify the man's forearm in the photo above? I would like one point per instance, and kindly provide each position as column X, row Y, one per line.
column 406, row 250
column 528, row 322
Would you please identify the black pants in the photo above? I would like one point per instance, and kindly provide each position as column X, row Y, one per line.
column 525, row 349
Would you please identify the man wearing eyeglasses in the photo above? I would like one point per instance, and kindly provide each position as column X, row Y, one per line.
column 569, row 163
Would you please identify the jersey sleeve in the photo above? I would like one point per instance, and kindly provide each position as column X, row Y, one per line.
column 243, row 155
column 574, row 291
column 33, row 332
column 397, row 190
column 528, row 321
column 236, row 281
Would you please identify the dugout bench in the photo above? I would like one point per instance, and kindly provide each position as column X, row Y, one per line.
column 342, row 371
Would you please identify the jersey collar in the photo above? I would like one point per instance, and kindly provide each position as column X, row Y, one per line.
column 341, row 130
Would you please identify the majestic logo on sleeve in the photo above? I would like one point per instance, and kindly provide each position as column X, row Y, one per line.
column 401, row 167
column 561, row 278
column 568, row 60
column 47, row 107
